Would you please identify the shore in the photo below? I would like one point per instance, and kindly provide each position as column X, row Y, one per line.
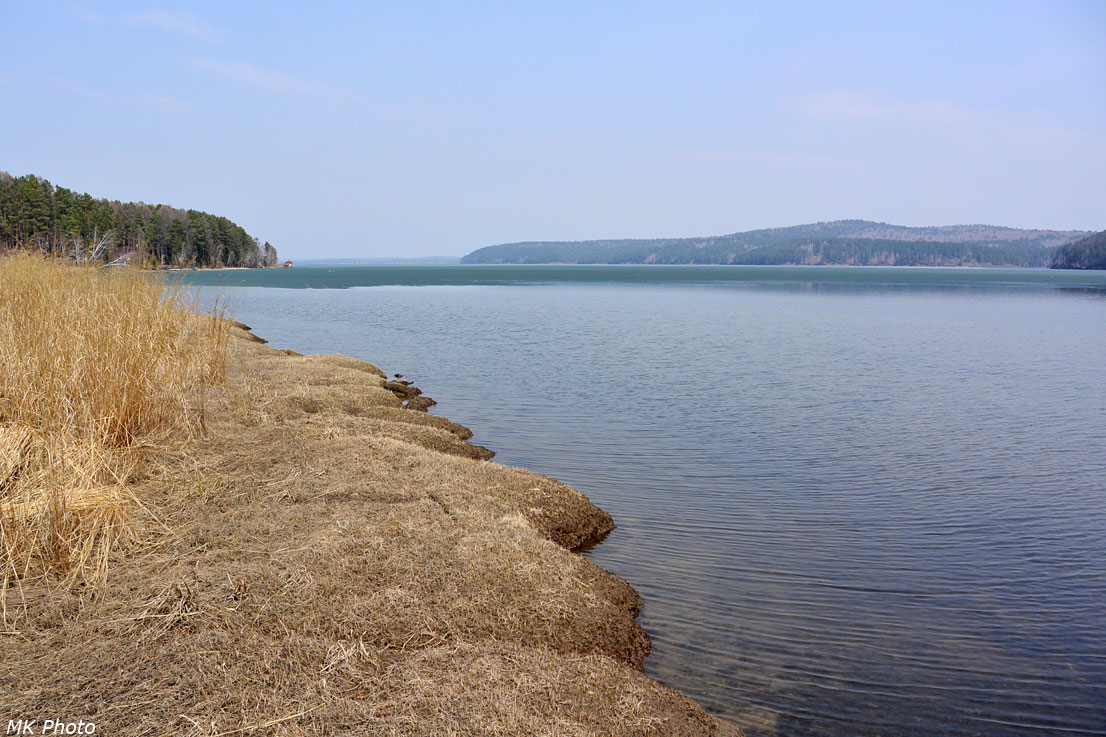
column 217, row 268
column 325, row 560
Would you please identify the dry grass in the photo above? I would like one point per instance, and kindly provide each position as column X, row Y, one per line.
column 97, row 367
column 341, row 565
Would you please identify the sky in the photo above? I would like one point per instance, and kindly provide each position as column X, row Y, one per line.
column 421, row 129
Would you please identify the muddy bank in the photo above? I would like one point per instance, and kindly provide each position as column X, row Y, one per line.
column 327, row 560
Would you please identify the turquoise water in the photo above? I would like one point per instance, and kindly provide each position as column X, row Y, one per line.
column 344, row 277
column 856, row 501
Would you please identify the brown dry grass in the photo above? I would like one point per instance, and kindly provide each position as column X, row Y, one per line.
column 97, row 367
column 324, row 561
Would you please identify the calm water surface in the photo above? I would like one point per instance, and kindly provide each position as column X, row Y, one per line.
column 855, row 501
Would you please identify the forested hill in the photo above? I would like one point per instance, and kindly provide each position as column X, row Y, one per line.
column 858, row 242
column 1088, row 253
column 35, row 214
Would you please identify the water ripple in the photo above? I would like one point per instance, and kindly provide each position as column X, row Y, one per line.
column 850, row 508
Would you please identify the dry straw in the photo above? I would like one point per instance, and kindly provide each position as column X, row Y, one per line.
column 97, row 368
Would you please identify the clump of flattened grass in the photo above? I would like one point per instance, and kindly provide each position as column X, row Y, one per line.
column 97, row 367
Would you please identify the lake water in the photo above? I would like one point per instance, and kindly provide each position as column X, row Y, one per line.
column 856, row 501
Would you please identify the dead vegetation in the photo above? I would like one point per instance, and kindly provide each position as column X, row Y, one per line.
column 325, row 561
column 97, row 367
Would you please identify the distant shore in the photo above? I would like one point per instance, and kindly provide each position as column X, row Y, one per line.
column 844, row 242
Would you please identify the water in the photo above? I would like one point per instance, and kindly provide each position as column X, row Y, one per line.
column 855, row 501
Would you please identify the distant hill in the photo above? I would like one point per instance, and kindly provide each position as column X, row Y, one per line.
column 35, row 214
column 1088, row 253
column 856, row 242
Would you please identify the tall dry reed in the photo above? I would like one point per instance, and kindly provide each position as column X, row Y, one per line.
column 97, row 367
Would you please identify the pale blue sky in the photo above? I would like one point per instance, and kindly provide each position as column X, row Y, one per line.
column 412, row 129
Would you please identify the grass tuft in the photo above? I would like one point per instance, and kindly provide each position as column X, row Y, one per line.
column 98, row 367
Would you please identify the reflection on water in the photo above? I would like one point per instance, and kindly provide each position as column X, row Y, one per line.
column 851, row 508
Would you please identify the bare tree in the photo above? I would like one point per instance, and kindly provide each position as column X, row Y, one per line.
column 97, row 251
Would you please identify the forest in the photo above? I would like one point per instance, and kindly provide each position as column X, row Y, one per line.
column 35, row 214
column 1088, row 253
column 856, row 242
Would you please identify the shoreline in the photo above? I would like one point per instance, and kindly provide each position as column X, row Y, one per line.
column 326, row 558
column 216, row 268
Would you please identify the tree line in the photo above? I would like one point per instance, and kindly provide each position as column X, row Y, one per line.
column 724, row 250
column 1088, row 253
column 35, row 214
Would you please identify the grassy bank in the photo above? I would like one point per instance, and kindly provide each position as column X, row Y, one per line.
column 97, row 368
column 311, row 556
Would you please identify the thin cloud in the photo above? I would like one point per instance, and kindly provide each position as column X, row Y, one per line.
column 983, row 126
column 778, row 158
column 159, row 103
column 166, row 104
column 270, row 80
column 861, row 108
column 182, row 22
